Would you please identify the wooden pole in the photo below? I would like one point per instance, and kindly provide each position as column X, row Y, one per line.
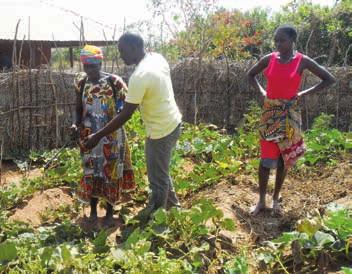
column 20, row 134
column 14, row 62
column 107, row 49
column 114, row 56
column 71, row 57
column 1, row 152
column 30, row 84
column 53, row 87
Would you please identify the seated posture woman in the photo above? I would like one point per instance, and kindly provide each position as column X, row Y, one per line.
column 281, row 142
column 107, row 169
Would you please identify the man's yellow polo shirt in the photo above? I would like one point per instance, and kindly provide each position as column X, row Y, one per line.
column 150, row 86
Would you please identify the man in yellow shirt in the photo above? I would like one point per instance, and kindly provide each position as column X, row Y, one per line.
column 150, row 88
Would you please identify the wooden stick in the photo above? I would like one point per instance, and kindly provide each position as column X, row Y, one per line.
column 30, row 84
column 309, row 38
column 115, row 52
column 14, row 62
column 107, row 49
column 1, row 152
column 35, row 107
column 14, row 48
column 20, row 127
column 346, row 55
column 57, row 132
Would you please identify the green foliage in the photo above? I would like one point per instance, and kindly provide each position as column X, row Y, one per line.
column 173, row 242
column 8, row 251
column 185, row 233
column 180, row 240
column 330, row 235
column 237, row 265
column 201, row 29
column 65, row 169
column 61, row 214
column 324, row 144
column 346, row 270
column 100, row 245
column 341, row 222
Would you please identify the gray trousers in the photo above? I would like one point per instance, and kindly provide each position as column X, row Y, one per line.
column 158, row 155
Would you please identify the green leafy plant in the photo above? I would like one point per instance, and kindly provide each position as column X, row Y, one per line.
column 316, row 244
column 324, row 144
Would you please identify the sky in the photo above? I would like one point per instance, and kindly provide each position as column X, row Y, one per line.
column 60, row 19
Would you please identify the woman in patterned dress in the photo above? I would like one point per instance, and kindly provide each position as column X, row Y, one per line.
column 107, row 168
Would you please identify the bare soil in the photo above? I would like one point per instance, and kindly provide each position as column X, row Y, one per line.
column 50, row 199
column 301, row 195
column 10, row 173
column 299, row 198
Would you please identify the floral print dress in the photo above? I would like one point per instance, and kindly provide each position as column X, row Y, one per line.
column 107, row 168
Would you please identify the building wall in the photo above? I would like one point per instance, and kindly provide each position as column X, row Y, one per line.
column 41, row 53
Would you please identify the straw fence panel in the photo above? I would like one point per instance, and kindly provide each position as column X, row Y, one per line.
column 36, row 106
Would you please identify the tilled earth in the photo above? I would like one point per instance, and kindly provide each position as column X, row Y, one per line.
column 302, row 194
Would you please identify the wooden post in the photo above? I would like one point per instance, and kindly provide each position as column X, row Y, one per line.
column 1, row 151
column 30, row 84
column 71, row 57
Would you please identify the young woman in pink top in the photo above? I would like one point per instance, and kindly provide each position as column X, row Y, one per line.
column 281, row 143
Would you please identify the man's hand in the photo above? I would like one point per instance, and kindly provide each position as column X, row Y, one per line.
column 74, row 132
column 91, row 141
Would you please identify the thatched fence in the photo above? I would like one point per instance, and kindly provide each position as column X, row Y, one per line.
column 36, row 106
column 35, row 111
column 219, row 94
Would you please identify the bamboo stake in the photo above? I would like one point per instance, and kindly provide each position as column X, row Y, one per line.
column 61, row 73
column 20, row 52
column 36, row 103
column 36, row 107
column 107, row 49
column 14, row 48
column 1, row 153
column 114, row 51
column 57, row 132
column 81, row 38
column 14, row 62
column 30, row 84
column 20, row 127
column 346, row 55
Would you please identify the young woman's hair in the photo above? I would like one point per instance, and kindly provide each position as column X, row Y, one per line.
column 289, row 30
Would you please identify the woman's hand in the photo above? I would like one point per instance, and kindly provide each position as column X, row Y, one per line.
column 91, row 141
column 74, row 132
column 262, row 91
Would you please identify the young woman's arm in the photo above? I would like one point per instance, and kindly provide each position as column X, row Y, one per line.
column 255, row 70
column 327, row 78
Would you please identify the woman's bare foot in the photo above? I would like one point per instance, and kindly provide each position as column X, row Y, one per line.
column 93, row 217
column 109, row 221
column 257, row 208
column 277, row 207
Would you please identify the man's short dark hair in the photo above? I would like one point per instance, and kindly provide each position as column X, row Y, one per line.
column 132, row 39
column 289, row 30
